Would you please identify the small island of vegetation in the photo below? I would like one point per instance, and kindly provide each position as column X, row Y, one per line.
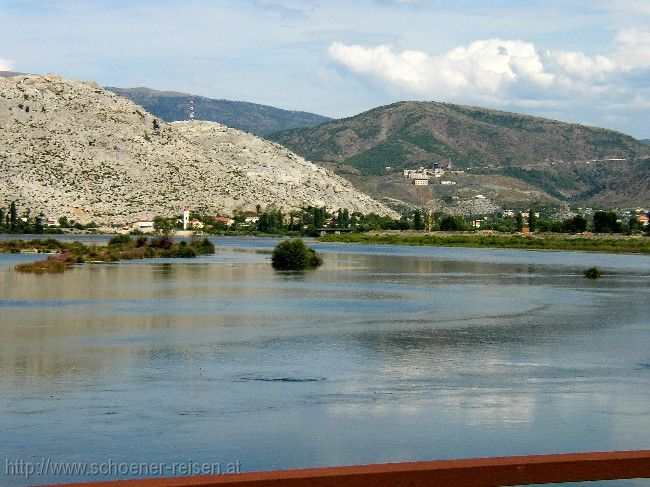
column 120, row 247
column 593, row 273
column 294, row 255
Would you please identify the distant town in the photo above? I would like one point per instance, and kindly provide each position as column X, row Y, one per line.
column 315, row 221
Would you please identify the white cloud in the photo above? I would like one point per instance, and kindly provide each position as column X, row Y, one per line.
column 511, row 71
column 6, row 65
column 486, row 68
column 633, row 48
column 633, row 6
column 577, row 64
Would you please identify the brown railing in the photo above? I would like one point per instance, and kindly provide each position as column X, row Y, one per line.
column 474, row 472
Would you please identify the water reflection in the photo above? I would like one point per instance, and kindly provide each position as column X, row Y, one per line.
column 374, row 357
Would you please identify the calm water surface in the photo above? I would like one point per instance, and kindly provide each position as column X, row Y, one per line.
column 384, row 354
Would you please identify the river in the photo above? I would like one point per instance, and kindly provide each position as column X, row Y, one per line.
column 383, row 354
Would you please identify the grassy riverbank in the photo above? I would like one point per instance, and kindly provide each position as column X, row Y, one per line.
column 594, row 243
column 123, row 247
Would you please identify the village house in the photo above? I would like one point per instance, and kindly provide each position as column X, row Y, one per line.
column 145, row 225
column 424, row 173
column 225, row 220
column 194, row 223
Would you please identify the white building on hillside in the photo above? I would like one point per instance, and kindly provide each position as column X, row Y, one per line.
column 186, row 218
column 145, row 226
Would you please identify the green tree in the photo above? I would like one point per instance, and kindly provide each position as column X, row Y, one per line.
column 606, row 222
column 13, row 216
column 520, row 221
column 294, row 255
column 532, row 220
column 320, row 215
column 404, row 223
column 418, row 221
column 343, row 218
column 279, row 221
column 634, row 224
column 576, row 224
column 164, row 225
column 38, row 223
column 450, row 223
column 264, row 224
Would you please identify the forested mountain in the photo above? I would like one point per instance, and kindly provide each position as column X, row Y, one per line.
column 499, row 151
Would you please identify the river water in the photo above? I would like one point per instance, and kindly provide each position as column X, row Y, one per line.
column 384, row 354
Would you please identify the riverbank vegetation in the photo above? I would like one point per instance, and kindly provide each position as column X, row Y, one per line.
column 23, row 221
column 121, row 247
column 313, row 221
column 637, row 245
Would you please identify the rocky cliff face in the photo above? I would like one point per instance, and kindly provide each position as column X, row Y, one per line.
column 71, row 148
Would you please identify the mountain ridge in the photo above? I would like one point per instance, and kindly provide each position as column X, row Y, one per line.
column 568, row 163
column 173, row 106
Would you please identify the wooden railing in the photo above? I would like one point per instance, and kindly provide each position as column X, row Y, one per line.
column 474, row 472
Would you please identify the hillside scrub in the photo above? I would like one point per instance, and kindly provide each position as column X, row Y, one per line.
column 562, row 161
column 630, row 245
column 121, row 247
column 294, row 255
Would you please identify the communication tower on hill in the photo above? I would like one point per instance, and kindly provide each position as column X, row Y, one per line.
column 191, row 108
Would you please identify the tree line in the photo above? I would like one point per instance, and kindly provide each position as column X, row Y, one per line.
column 16, row 220
column 310, row 220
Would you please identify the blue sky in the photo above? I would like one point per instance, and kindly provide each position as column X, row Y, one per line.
column 580, row 61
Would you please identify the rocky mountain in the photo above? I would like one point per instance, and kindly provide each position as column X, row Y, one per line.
column 646, row 141
column 250, row 117
column 510, row 158
column 71, row 148
column 7, row 74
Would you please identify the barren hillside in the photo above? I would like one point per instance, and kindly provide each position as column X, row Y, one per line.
column 72, row 148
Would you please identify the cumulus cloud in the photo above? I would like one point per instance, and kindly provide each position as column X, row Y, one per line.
column 517, row 75
column 633, row 48
column 6, row 65
column 579, row 65
column 484, row 69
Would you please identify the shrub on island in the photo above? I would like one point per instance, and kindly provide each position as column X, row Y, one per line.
column 294, row 255
column 52, row 265
column 120, row 247
column 593, row 273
